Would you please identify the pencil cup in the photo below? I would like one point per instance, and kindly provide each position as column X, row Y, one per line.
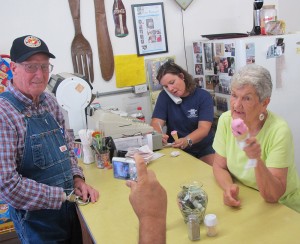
column 103, row 160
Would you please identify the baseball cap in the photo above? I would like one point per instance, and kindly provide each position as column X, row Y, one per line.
column 26, row 46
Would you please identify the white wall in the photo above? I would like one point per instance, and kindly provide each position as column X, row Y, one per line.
column 51, row 20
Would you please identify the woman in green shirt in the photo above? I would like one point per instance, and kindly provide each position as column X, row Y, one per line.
column 270, row 143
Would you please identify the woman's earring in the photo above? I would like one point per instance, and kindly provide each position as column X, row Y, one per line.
column 261, row 117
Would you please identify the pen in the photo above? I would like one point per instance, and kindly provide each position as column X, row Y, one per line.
column 161, row 130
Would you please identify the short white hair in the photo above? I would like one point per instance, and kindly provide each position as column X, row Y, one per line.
column 256, row 76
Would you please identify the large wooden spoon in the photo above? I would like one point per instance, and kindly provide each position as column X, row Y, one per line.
column 106, row 57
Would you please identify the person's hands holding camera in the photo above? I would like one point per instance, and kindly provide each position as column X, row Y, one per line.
column 149, row 201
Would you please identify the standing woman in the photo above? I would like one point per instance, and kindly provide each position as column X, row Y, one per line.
column 192, row 119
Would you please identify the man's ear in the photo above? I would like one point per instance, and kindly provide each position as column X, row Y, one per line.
column 12, row 67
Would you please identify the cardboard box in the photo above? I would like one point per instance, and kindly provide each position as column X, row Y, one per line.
column 6, row 224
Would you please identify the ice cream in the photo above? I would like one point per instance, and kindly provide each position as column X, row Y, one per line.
column 241, row 133
column 174, row 135
column 239, row 129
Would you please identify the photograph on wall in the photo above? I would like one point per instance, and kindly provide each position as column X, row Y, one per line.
column 223, row 85
column 198, row 69
column 200, row 81
column 208, row 58
column 224, row 65
column 250, row 53
column 229, row 49
column 213, row 96
column 211, row 81
column 277, row 49
column 197, row 52
column 219, row 49
column 198, row 58
column 197, row 47
column 150, row 28
column 222, row 103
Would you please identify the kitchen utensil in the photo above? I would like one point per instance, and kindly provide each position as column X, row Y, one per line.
column 106, row 57
column 82, row 56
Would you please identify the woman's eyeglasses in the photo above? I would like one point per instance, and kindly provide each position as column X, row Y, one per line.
column 33, row 67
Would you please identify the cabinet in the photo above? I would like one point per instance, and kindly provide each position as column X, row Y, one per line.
column 9, row 238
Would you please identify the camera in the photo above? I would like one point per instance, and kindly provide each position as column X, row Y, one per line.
column 124, row 168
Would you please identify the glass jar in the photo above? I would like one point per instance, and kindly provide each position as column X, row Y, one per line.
column 268, row 14
column 192, row 199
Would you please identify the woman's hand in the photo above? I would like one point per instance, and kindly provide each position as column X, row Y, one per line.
column 253, row 148
column 165, row 138
column 180, row 143
column 230, row 196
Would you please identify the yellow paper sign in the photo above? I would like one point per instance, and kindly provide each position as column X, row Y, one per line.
column 130, row 70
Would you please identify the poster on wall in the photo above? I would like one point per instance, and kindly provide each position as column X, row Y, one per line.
column 150, row 28
column 152, row 66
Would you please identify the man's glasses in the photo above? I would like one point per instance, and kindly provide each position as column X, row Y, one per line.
column 32, row 68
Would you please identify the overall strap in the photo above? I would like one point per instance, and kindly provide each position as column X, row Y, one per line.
column 13, row 100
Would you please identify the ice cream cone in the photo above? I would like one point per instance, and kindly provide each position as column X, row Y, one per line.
column 239, row 129
column 242, row 137
column 174, row 135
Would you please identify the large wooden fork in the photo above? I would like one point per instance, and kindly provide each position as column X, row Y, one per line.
column 82, row 56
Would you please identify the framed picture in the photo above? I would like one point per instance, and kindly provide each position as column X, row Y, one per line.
column 150, row 28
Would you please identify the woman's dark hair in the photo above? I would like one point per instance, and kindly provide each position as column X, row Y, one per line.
column 170, row 67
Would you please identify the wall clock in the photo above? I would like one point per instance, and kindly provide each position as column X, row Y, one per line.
column 184, row 3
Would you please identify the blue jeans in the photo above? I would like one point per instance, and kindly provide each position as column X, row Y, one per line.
column 48, row 226
column 45, row 160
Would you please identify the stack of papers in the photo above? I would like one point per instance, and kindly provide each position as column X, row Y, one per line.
column 147, row 154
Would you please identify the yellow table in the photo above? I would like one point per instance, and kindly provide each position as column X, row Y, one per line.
column 112, row 221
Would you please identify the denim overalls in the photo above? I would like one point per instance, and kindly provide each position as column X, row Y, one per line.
column 45, row 160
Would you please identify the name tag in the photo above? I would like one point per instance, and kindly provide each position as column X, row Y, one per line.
column 63, row 148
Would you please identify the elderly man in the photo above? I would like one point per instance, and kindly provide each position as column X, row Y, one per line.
column 39, row 170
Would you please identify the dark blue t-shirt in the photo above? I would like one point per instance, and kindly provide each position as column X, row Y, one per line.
column 184, row 117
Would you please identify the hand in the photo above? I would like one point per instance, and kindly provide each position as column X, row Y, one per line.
column 180, row 143
column 253, row 149
column 85, row 191
column 148, row 198
column 149, row 201
column 231, row 196
column 165, row 138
